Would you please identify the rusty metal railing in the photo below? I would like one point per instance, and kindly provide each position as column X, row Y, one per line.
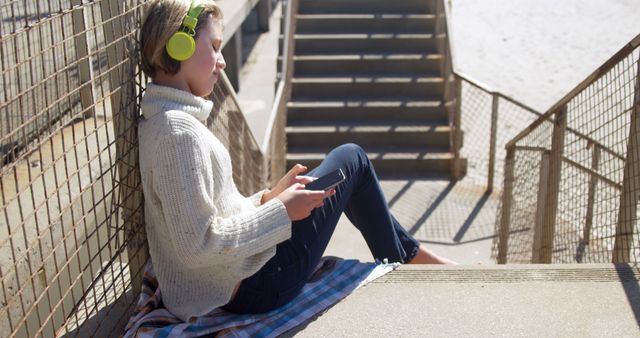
column 275, row 146
column 572, row 177
column 568, row 178
column 72, row 239
column 481, row 120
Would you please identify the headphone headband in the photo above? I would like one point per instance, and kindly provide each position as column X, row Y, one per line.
column 191, row 19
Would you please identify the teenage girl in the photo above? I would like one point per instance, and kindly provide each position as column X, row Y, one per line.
column 210, row 246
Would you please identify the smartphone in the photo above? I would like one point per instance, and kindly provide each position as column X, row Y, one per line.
column 327, row 181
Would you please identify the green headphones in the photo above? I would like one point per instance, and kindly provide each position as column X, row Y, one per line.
column 182, row 45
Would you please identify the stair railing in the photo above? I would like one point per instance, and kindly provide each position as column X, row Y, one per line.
column 274, row 146
column 451, row 84
column 470, row 104
column 572, row 177
column 537, row 212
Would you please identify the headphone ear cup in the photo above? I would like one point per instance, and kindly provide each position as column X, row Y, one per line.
column 181, row 46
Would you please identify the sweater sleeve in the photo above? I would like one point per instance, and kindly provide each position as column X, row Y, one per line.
column 184, row 181
column 257, row 197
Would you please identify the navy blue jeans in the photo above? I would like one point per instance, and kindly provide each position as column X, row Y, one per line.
column 361, row 199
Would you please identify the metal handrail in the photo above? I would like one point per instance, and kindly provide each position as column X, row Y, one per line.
column 272, row 146
column 603, row 69
column 541, row 118
column 552, row 179
column 459, row 75
column 468, row 78
column 280, row 89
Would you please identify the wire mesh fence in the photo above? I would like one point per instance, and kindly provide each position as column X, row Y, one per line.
column 572, row 185
column 481, row 121
column 488, row 121
column 72, row 240
column 34, row 72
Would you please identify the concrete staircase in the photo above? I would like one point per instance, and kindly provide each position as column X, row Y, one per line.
column 367, row 72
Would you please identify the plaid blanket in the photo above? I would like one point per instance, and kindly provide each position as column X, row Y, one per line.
column 333, row 280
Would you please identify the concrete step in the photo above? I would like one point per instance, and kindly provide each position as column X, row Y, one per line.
column 314, row 44
column 367, row 87
column 364, row 6
column 388, row 161
column 367, row 72
column 588, row 300
column 423, row 111
column 368, row 134
column 365, row 23
column 368, row 64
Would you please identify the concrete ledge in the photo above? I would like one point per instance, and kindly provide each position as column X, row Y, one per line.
column 508, row 301
column 234, row 12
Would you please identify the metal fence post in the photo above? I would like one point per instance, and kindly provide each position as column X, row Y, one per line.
column 123, row 97
column 555, row 169
column 505, row 214
column 593, row 182
column 85, row 71
column 541, row 203
column 495, row 99
column 630, row 185
column 456, row 133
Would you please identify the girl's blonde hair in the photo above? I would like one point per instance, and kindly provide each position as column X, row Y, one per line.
column 162, row 19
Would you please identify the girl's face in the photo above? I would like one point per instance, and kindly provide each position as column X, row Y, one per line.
column 202, row 70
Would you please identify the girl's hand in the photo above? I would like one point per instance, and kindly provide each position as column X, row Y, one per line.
column 289, row 179
column 300, row 202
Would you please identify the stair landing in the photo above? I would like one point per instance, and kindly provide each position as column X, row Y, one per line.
column 454, row 219
column 499, row 301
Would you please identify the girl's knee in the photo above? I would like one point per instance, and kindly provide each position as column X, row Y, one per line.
column 349, row 156
column 349, row 149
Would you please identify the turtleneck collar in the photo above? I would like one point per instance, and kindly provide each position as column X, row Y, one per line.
column 159, row 99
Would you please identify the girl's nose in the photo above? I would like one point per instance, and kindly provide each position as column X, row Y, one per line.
column 222, row 64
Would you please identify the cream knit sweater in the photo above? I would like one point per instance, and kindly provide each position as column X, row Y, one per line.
column 204, row 236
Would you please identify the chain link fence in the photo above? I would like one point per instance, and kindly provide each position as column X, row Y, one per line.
column 72, row 240
column 488, row 121
column 572, row 178
column 481, row 121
